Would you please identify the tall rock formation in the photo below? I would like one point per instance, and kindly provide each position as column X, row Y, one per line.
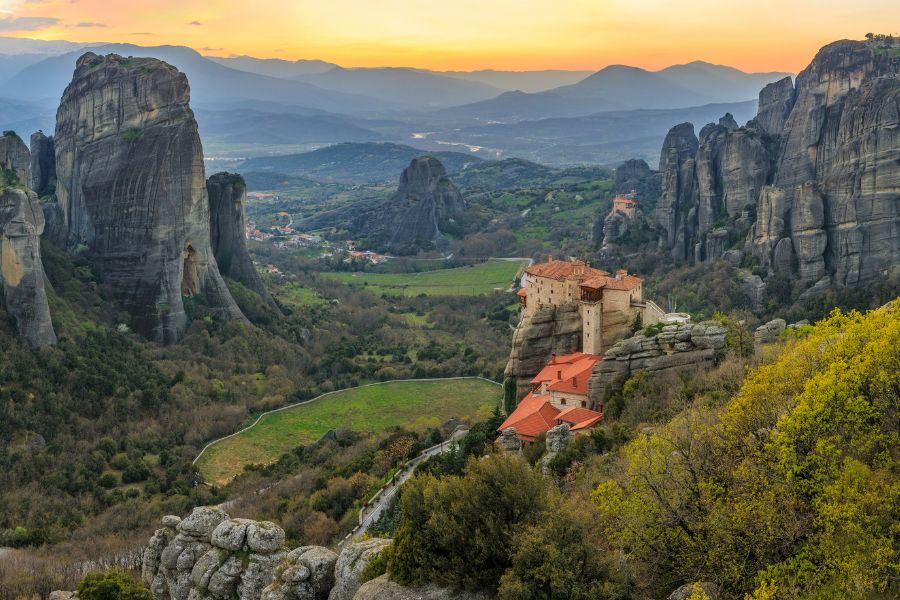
column 43, row 164
column 550, row 330
column 227, row 196
column 835, row 197
column 21, row 271
column 132, row 190
column 412, row 218
column 15, row 158
column 817, row 167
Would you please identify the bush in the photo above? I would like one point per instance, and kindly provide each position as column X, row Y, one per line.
column 114, row 584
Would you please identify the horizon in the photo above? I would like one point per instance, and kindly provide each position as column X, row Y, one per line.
column 571, row 35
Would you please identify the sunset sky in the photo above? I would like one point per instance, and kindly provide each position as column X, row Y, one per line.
column 754, row 35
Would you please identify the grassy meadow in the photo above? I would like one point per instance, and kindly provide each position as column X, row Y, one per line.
column 476, row 280
column 374, row 408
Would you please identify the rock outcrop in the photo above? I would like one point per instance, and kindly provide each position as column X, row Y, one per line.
column 21, row 270
column 412, row 218
column 43, row 164
column 675, row 347
column 769, row 332
column 509, row 441
column 210, row 556
column 132, row 190
column 15, row 159
column 817, row 167
column 227, row 196
column 382, row 588
column 558, row 439
column 550, row 330
column 350, row 564
column 635, row 175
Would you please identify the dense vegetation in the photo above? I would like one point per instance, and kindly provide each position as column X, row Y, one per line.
column 784, row 486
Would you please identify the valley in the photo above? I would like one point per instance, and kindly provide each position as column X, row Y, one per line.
column 648, row 318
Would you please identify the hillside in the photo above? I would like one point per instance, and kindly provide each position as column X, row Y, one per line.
column 353, row 162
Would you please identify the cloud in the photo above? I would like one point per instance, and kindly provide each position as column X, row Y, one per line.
column 208, row 49
column 91, row 24
column 26, row 23
column 195, row 23
column 142, row 33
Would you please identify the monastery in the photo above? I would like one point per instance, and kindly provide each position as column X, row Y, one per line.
column 608, row 306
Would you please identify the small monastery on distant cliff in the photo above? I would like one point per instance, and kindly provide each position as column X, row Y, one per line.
column 608, row 306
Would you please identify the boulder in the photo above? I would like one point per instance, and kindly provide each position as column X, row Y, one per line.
column 687, row 590
column 201, row 522
column 307, row 573
column 382, row 588
column 769, row 332
column 350, row 564
column 264, row 537
column 131, row 189
column 557, row 441
column 509, row 441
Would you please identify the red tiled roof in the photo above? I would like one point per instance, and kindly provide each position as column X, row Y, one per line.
column 550, row 372
column 563, row 269
column 621, row 200
column 533, row 416
column 575, row 377
column 579, row 418
column 621, row 281
column 522, row 292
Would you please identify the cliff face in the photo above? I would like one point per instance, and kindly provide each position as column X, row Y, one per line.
column 21, row 225
column 676, row 347
column 837, row 178
column 550, row 330
column 227, row 196
column 818, row 167
column 132, row 191
column 15, row 157
column 425, row 200
column 43, row 164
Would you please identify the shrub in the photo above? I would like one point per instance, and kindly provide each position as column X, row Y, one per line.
column 114, row 584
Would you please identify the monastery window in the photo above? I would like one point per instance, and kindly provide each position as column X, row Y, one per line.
column 562, row 400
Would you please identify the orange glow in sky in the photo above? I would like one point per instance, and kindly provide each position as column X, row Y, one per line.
column 753, row 35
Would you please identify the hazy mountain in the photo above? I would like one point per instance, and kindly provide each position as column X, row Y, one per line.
column 274, row 67
column 14, row 45
column 210, row 81
column 517, row 173
column 353, row 163
column 26, row 117
column 620, row 87
column 524, row 81
column 415, row 88
column 602, row 138
column 244, row 126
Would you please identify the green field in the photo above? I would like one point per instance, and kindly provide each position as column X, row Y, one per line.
column 415, row 405
column 482, row 278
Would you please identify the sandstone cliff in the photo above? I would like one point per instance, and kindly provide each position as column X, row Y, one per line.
column 426, row 200
column 132, row 190
column 43, row 164
column 21, row 271
column 227, row 196
column 15, row 158
column 675, row 347
column 550, row 330
column 809, row 187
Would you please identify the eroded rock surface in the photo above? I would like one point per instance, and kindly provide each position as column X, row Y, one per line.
column 21, row 270
column 425, row 201
column 381, row 588
column 675, row 347
column 132, row 190
column 15, row 158
column 550, row 330
column 558, row 439
column 350, row 564
column 43, row 164
column 227, row 197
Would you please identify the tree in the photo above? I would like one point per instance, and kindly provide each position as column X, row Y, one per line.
column 509, row 395
column 114, row 584
column 459, row 531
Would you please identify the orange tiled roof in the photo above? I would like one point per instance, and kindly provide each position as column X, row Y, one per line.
column 522, row 292
column 575, row 377
column 533, row 416
column 563, row 269
column 550, row 372
column 579, row 418
column 621, row 281
column 621, row 200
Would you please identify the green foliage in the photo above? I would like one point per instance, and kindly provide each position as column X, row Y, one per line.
column 792, row 485
column 376, row 567
column 458, row 531
column 738, row 338
column 509, row 395
column 114, row 584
